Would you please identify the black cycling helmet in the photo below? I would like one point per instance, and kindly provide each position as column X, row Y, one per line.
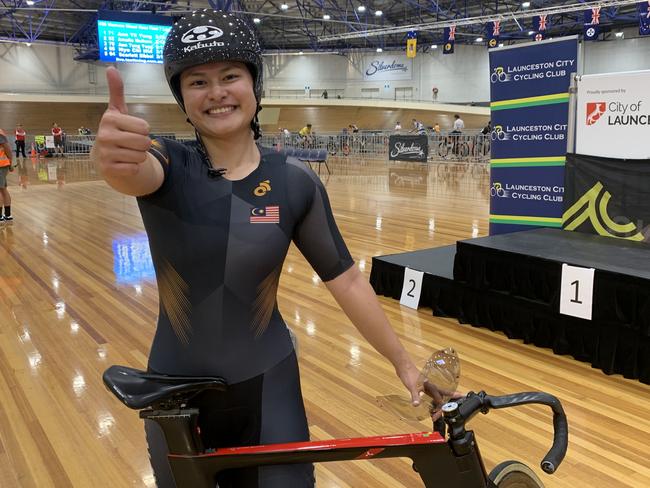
column 206, row 36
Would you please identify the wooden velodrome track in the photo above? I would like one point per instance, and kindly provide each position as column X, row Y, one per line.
column 76, row 296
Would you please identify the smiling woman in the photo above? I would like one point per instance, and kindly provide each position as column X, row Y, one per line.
column 219, row 99
column 220, row 214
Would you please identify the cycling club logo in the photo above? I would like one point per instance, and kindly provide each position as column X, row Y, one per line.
column 498, row 134
column 262, row 188
column 498, row 191
column 594, row 111
column 201, row 33
column 499, row 75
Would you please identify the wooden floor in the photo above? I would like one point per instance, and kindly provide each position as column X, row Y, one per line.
column 77, row 294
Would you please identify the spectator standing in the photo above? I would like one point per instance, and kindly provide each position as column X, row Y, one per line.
column 57, row 133
column 20, row 141
column 459, row 125
column 6, row 165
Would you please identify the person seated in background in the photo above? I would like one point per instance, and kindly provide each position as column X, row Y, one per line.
column 487, row 129
column 436, row 128
column 418, row 127
column 305, row 132
column 324, row 94
column 398, row 126
column 353, row 128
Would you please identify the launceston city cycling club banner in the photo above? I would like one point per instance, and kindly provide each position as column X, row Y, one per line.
column 613, row 115
column 529, row 87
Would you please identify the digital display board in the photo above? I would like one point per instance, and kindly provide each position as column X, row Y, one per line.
column 131, row 37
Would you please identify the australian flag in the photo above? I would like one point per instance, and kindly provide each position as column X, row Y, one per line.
column 592, row 24
column 644, row 18
column 493, row 32
column 450, row 39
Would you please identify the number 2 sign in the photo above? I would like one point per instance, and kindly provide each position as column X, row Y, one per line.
column 576, row 291
column 411, row 288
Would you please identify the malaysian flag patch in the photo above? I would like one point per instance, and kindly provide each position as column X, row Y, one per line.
column 265, row 215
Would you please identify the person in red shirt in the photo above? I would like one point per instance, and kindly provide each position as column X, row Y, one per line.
column 57, row 132
column 20, row 141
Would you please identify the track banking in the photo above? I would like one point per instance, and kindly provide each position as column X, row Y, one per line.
column 538, row 71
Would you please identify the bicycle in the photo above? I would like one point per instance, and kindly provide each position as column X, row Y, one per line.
column 456, row 460
column 453, row 144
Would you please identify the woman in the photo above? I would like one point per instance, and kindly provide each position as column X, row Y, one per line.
column 220, row 215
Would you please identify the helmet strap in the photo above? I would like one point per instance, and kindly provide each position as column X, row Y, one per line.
column 255, row 124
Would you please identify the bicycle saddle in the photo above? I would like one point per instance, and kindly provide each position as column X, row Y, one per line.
column 138, row 389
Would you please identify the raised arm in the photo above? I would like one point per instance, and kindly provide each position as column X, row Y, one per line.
column 120, row 152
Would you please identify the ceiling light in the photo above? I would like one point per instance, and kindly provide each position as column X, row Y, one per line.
column 361, row 8
column 301, row 53
column 257, row 20
column 284, row 6
column 28, row 44
column 525, row 4
column 479, row 39
column 380, row 50
column 30, row 2
column 326, row 17
column 434, row 46
column 619, row 34
column 379, row 13
column 530, row 33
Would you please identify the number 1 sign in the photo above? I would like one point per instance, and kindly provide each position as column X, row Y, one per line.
column 576, row 291
column 411, row 288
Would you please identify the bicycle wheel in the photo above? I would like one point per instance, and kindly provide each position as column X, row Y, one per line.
column 513, row 474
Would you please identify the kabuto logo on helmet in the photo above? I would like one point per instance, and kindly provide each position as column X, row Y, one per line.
column 201, row 33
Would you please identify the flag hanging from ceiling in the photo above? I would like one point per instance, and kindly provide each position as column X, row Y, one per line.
column 411, row 44
column 540, row 27
column 592, row 24
column 450, row 39
column 644, row 18
column 493, row 32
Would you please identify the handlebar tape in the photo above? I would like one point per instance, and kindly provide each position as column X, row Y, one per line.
column 561, row 429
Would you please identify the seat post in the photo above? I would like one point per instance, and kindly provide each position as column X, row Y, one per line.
column 180, row 428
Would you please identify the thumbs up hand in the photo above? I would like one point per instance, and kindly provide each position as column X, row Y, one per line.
column 122, row 140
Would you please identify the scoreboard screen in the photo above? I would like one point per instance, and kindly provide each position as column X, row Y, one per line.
column 131, row 37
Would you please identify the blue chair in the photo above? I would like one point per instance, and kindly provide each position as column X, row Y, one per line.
column 309, row 156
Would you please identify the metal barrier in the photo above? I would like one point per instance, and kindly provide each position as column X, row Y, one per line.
column 369, row 144
column 446, row 146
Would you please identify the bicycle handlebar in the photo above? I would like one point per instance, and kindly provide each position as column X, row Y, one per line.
column 475, row 402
